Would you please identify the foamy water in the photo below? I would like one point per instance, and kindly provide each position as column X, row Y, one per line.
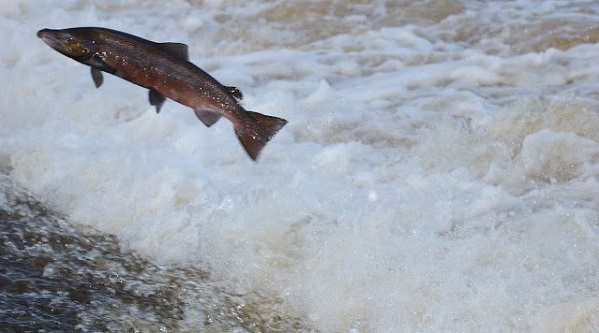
column 439, row 172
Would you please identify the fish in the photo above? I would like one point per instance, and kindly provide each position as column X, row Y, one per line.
column 165, row 70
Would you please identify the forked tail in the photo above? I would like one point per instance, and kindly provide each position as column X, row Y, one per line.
column 256, row 130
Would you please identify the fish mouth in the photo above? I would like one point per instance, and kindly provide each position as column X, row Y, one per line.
column 65, row 42
column 56, row 40
column 42, row 33
column 49, row 37
column 46, row 33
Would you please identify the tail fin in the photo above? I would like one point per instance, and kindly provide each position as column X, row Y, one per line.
column 256, row 130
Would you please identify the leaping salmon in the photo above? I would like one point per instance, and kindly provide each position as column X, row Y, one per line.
column 164, row 69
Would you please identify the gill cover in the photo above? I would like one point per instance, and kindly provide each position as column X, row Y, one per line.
column 78, row 49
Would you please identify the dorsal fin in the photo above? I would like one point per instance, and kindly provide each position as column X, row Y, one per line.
column 179, row 50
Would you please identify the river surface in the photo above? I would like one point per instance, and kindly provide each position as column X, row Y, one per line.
column 439, row 171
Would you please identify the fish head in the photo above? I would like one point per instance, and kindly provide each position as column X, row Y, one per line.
column 77, row 44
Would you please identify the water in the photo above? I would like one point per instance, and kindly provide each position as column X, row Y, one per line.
column 57, row 278
column 438, row 172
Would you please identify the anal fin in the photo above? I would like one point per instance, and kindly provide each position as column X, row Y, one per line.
column 156, row 99
column 207, row 117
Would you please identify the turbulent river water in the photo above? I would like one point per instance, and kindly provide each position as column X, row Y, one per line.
column 439, row 171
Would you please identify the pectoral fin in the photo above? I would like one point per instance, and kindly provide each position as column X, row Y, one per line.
column 156, row 99
column 96, row 62
column 233, row 91
column 97, row 77
column 207, row 117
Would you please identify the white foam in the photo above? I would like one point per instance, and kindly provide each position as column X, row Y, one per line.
column 425, row 182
